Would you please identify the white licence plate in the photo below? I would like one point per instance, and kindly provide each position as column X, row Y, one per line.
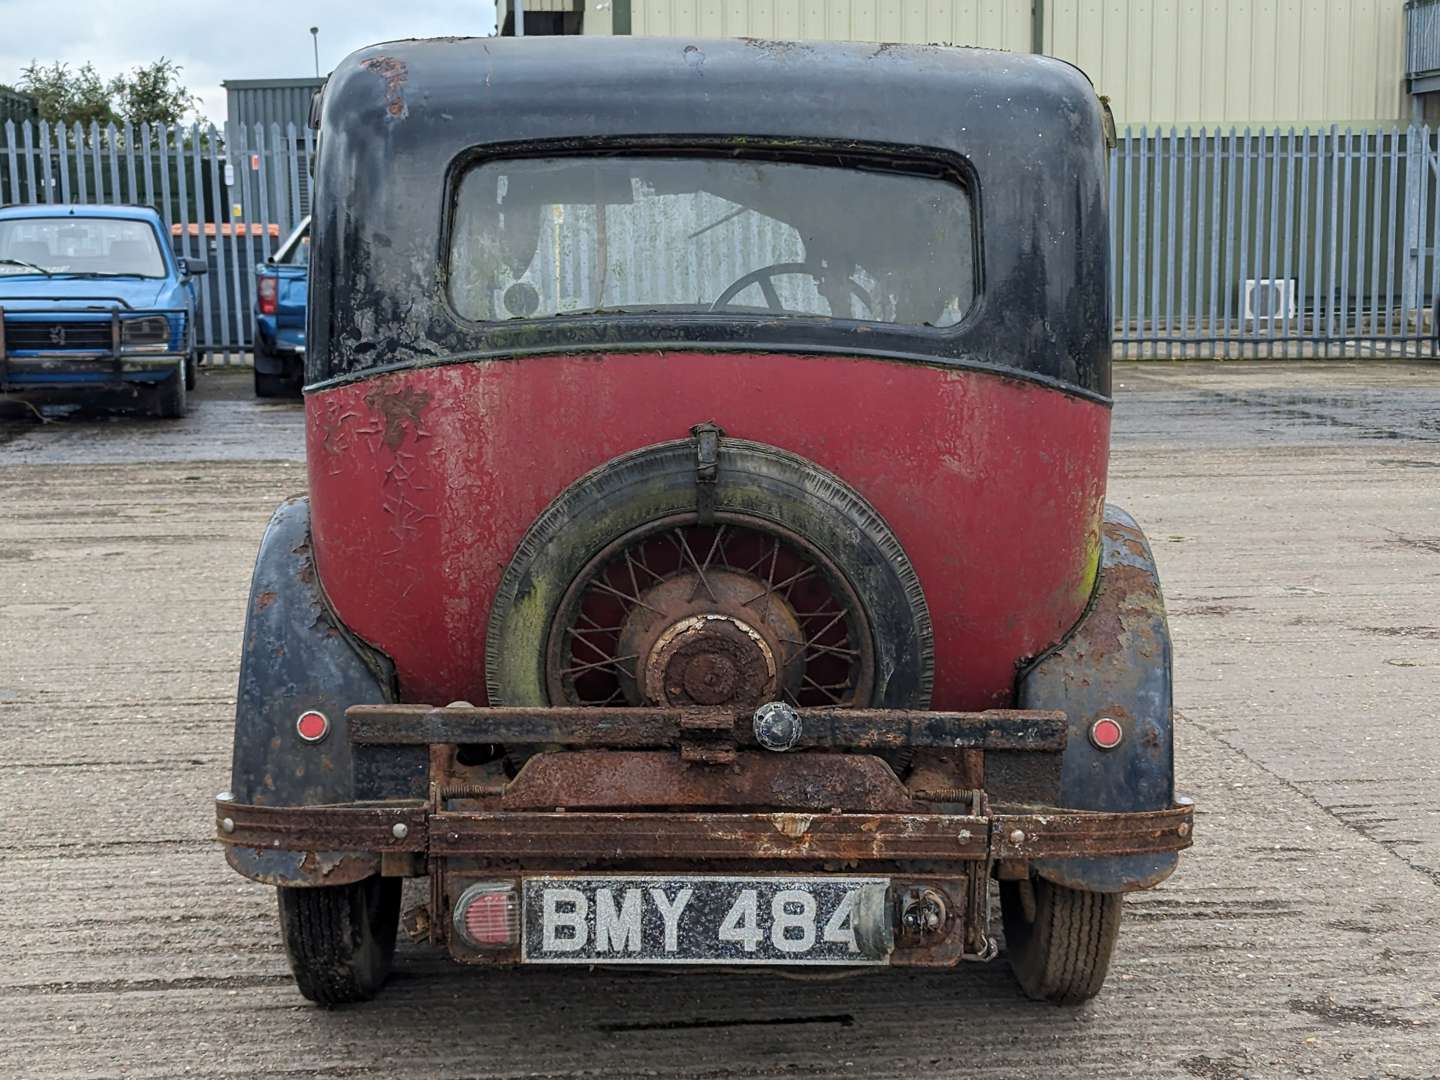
column 699, row 919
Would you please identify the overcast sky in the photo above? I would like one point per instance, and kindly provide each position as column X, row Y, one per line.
column 234, row 39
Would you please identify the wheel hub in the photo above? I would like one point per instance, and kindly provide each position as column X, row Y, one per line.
column 721, row 640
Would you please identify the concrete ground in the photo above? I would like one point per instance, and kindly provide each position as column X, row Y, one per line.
column 1295, row 512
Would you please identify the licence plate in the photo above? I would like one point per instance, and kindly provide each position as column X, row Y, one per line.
column 704, row 919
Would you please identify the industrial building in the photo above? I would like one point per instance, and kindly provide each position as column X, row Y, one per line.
column 270, row 118
column 1257, row 63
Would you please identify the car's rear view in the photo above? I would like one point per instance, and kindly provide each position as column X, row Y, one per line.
column 705, row 558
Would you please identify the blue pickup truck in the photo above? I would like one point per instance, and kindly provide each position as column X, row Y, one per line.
column 281, row 291
column 93, row 301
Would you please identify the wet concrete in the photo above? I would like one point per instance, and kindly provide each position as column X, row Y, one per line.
column 1295, row 513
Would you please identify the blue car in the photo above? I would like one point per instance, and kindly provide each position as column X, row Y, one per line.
column 281, row 293
column 93, row 300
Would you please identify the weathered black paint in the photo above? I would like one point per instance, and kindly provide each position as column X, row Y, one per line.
column 1116, row 662
column 400, row 119
column 296, row 656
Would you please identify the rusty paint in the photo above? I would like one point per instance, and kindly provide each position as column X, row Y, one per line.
column 1031, row 731
column 264, row 599
column 693, row 839
column 278, row 866
column 398, row 408
column 689, row 838
column 322, row 828
column 613, row 780
column 394, row 72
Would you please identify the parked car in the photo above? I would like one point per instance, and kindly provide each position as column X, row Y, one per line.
column 280, row 297
column 92, row 300
column 706, row 558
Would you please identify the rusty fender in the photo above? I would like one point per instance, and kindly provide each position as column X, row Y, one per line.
column 1116, row 662
column 297, row 657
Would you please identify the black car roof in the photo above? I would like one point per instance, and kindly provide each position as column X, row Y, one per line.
column 398, row 118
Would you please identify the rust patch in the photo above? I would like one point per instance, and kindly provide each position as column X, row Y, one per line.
column 398, row 408
column 793, row 825
column 395, row 74
column 264, row 599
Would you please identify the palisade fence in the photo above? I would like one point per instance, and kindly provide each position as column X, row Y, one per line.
column 1269, row 243
column 229, row 197
column 1229, row 244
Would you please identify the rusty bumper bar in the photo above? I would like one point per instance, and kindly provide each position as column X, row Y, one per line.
column 589, row 837
column 628, row 728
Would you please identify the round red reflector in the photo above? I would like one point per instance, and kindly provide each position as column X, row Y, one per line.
column 312, row 726
column 1106, row 733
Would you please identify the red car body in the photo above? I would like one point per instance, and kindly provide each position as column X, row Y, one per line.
column 423, row 483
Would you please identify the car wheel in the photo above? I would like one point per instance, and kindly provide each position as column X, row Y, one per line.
column 192, row 370
column 170, row 397
column 283, row 384
column 1059, row 939
column 275, row 386
column 340, row 939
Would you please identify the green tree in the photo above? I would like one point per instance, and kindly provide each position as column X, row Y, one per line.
column 66, row 96
column 153, row 94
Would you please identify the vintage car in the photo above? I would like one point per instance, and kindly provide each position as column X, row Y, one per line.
column 281, row 290
column 706, row 558
column 94, row 306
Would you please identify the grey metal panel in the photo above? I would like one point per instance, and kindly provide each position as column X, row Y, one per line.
column 269, row 101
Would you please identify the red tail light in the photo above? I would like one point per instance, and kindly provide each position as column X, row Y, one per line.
column 268, row 290
column 487, row 915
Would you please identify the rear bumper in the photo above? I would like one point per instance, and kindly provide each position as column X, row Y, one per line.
column 585, row 839
column 625, row 787
column 941, row 857
column 621, row 793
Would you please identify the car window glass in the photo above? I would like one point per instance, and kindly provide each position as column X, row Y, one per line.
column 536, row 238
column 80, row 245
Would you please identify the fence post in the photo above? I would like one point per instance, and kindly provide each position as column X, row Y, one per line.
column 1415, row 166
column 13, row 167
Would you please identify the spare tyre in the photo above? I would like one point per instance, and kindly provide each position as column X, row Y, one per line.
column 710, row 571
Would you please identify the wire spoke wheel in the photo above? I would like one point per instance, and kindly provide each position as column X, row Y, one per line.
column 731, row 613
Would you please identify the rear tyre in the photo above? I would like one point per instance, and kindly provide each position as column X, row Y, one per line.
column 1059, row 939
column 274, row 385
column 340, row 939
column 170, row 396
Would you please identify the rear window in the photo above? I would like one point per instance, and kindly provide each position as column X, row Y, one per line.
column 542, row 237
